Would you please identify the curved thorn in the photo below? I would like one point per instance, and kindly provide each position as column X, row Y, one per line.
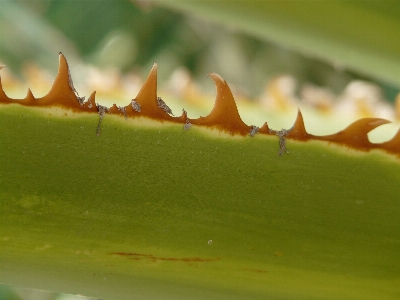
column 298, row 130
column 224, row 114
column 61, row 93
column 356, row 134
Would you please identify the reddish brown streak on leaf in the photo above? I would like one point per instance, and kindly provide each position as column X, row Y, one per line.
column 139, row 256
column 255, row 270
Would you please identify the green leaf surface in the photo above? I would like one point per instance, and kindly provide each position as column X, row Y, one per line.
column 362, row 36
column 150, row 211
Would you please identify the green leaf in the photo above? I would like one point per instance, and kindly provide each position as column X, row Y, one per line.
column 362, row 36
column 148, row 210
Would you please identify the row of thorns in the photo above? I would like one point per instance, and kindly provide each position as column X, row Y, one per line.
column 102, row 110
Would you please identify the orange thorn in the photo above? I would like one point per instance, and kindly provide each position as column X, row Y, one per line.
column 298, row 131
column 62, row 92
column 356, row 134
column 224, row 114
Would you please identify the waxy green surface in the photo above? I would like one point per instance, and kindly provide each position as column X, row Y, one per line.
column 191, row 214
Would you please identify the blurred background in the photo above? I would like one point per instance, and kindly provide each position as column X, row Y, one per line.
column 111, row 46
column 131, row 35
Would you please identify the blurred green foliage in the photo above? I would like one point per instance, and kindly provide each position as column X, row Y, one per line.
column 131, row 35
